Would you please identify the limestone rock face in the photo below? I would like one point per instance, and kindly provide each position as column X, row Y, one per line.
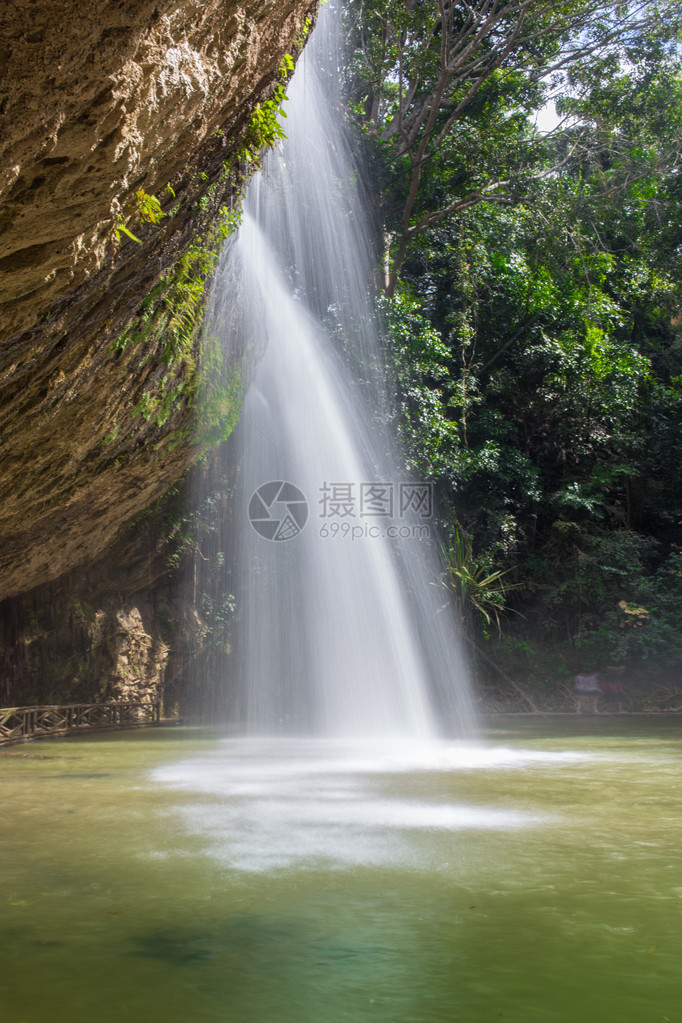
column 138, row 660
column 75, row 652
column 117, row 629
column 97, row 101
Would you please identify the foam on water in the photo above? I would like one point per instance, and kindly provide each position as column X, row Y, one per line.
column 262, row 805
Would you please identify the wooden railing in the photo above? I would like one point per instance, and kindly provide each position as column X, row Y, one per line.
column 20, row 723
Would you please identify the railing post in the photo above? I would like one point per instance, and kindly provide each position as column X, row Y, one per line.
column 17, row 723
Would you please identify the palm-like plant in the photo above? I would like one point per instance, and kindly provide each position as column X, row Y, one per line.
column 476, row 586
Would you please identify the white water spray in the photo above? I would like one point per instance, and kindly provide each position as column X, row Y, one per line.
column 341, row 629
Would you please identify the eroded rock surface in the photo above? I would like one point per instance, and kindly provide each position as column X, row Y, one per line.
column 120, row 628
column 101, row 98
column 97, row 101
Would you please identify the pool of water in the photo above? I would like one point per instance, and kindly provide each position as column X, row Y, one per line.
column 173, row 875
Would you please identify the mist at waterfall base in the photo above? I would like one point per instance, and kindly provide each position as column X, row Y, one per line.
column 339, row 626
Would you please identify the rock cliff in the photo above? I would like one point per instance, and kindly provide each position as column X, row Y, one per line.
column 105, row 107
column 124, row 128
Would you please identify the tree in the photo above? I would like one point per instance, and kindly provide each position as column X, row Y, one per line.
column 536, row 330
column 446, row 89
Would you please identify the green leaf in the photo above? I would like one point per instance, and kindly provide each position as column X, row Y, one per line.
column 122, row 227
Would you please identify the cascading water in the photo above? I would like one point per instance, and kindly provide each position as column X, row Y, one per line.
column 340, row 627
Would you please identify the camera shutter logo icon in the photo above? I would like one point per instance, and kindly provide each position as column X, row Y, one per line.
column 278, row 510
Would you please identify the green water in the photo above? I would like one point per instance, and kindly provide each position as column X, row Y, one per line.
column 169, row 876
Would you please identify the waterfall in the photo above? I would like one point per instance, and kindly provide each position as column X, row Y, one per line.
column 341, row 625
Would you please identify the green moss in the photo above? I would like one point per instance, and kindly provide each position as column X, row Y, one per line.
column 111, row 437
column 169, row 320
column 221, row 396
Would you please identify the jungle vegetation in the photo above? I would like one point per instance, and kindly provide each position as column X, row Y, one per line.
column 524, row 159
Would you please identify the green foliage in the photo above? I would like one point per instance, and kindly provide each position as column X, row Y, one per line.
column 534, row 319
column 170, row 318
column 264, row 129
column 120, row 228
column 168, row 325
column 446, row 95
column 148, row 207
column 145, row 209
column 186, row 294
column 221, row 395
column 476, row 586
column 217, row 616
column 111, row 437
column 422, row 364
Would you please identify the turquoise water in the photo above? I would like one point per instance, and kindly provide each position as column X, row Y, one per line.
column 171, row 875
